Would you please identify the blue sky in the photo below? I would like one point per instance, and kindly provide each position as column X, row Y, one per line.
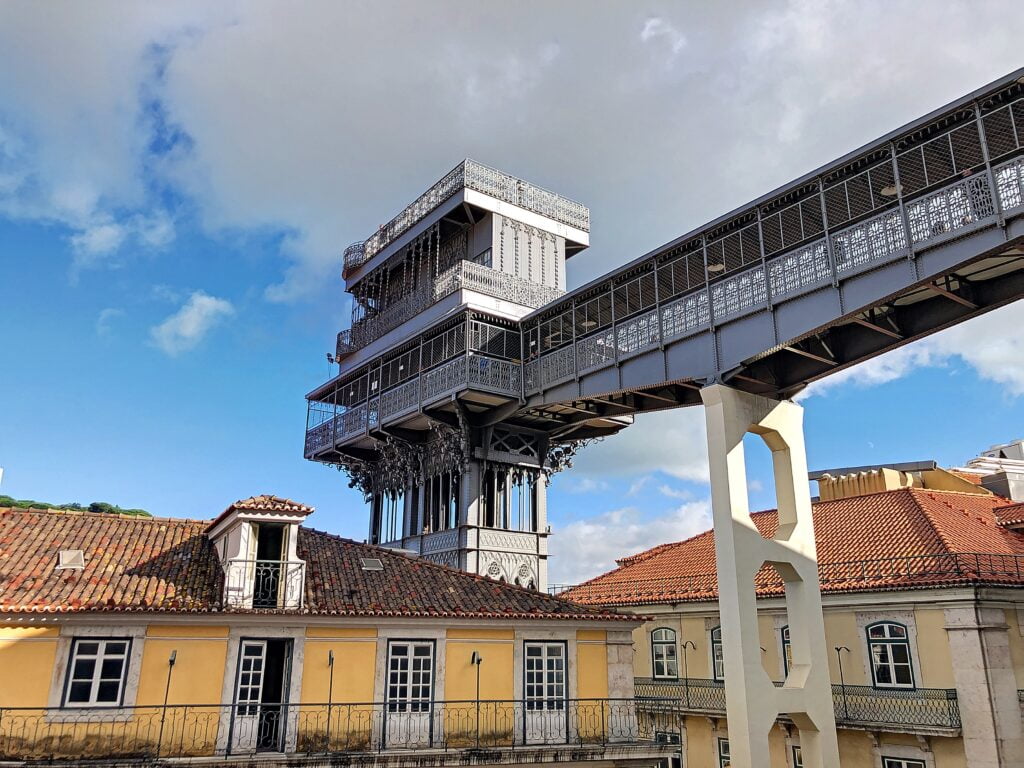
column 177, row 186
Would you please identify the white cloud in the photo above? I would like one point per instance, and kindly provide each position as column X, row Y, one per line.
column 585, row 485
column 672, row 442
column 188, row 326
column 586, row 548
column 992, row 344
column 95, row 242
column 638, row 485
column 105, row 320
column 658, row 29
column 281, row 130
column 674, row 493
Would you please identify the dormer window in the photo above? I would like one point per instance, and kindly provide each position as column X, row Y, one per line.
column 257, row 541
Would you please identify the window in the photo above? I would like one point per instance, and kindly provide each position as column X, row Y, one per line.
column 663, row 653
column 545, row 675
column 889, row 650
column 787, row 654
column 900, row 762
column 410, row 676
column 674, row 739
column 724, row 761
column 97, row 672
column 798, row 758
column 717, row 660
column 483, row 258
column 250, row 677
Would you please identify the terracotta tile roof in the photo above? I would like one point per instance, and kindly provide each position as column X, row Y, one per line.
column 154, row 564
column 1011, row 514
column 263, row 503
column 970, row 477
column 901, row 539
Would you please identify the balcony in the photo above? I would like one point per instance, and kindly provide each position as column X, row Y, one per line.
column 920, row 710
column 470, row 175
column 333, row 425
column 264, row 584
column 441, row 732
column 463, row 275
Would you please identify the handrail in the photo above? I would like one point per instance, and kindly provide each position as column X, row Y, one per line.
column 854, row 704
column 209, row 730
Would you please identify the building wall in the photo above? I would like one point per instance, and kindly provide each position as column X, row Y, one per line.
column 27, row 657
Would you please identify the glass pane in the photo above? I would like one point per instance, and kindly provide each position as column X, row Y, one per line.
column 87, row 649
column 116, row 648
column 78, row 693
column 84, row 669
column 108, row 691
column 111, row 669
column 903, row 675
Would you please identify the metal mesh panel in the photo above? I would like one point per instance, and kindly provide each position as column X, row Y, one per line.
column 556, row 331
column 494, row 340
column 400, row 368
column 444, row 346
column 634, row 296
column 1004, row 128
column 594, row 314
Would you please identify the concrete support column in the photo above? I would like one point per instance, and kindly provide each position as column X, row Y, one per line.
column 986, row 687
column 753, row 703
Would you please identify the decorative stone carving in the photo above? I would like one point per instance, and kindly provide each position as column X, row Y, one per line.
column 511, row 568
column 514, row 541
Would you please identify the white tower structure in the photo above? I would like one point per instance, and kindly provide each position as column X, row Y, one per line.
column 422, row 412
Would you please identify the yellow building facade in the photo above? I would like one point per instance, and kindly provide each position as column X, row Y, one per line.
column 167, row 639
column 923, row 599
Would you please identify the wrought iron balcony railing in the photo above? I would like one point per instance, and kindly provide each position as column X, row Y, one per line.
column 178, row 731
column 855, row 705
column 331, row 425
column 464, row 274
column 470, row 175
column 268, row 584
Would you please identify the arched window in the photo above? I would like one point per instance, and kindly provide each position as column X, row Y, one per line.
column 663, row 653
column 717, row 660
column 787, row 651
column 889, row 651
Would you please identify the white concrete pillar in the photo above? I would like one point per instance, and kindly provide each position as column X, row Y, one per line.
column 753, row 703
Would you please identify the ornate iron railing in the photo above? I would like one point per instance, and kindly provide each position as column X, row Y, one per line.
column 257, row 584
column 470, row 175
column 178, row 731
column 330, row 425
column 463, row 275
column 855, row 705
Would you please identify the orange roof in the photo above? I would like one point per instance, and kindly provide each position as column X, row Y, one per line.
column 263, row 503
column 970, row 477
column 1011, row 514
column 901, row 539
column 168, row 565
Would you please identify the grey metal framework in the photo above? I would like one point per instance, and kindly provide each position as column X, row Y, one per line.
column 912, row 233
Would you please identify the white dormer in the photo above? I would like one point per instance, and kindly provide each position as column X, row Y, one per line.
column 256, row 541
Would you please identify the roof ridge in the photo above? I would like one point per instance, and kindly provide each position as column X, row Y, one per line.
column 110, row 515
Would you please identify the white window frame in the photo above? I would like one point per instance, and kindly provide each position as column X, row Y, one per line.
column 544, row 700
column 405, row 688
column 797, row 756
column 889, row 641
column 787, row 650
column 717, row 655
column 101, row 655
column 901, row 762
column 724, row 756
column 663, row 639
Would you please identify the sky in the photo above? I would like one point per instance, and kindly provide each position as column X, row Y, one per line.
column 178, row 180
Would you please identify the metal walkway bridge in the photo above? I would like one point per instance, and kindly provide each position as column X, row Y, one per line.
column 908, row 235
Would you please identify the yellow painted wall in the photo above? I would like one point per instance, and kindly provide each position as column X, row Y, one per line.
column 933, row 652
column 27, row 658
column 841, row 629
column 497, row 671
column 591, row 664
column 698, row 659
column 1015, row 620
column 198, row 674
column 354, row 666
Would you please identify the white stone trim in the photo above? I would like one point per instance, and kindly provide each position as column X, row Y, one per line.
column 57, row 712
